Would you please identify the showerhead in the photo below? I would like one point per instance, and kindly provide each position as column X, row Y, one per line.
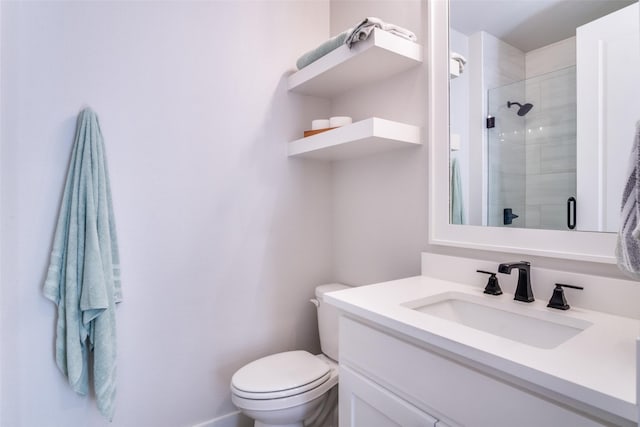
column 523, row 110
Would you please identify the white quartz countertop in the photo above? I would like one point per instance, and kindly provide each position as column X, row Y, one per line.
column 596, row 367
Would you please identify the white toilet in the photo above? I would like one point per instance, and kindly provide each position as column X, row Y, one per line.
column 294, row 387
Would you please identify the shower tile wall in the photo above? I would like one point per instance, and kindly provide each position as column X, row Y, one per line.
column 531, row 159
column 504, row 64
column 507, row 179
column 551, row 135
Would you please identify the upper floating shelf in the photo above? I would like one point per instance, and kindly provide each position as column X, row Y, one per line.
column 381, row 55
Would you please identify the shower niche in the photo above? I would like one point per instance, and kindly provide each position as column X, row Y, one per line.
column 532, row 152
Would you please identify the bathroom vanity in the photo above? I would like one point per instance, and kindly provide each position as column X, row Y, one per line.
column 426, row 351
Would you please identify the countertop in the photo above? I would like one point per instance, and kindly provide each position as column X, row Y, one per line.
column 596, row 367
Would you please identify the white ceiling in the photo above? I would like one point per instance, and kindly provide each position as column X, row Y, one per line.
column 529, row 24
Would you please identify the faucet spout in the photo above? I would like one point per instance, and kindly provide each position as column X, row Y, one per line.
column 523, row 290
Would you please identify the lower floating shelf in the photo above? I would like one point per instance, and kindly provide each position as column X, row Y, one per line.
column 358, row 139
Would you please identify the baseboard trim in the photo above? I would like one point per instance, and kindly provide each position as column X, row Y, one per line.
column 234, row 419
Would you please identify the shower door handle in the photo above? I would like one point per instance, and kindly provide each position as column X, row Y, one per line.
column 571, row 213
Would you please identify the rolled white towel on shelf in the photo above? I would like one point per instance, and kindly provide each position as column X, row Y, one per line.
column 461, row 60
column 364, row 29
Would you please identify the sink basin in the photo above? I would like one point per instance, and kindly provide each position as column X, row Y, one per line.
column 525, row 325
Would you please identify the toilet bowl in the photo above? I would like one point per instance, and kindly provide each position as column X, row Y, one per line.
column 294, row 388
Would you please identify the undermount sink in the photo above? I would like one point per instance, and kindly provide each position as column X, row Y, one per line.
column 525, row 325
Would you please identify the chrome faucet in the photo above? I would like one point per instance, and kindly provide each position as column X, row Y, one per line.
column 523, row 290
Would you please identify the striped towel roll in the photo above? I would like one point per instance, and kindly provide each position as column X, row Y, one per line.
column 327, row 47
column 628, row 246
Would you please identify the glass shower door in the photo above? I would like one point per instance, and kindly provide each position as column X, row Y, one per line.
column 506, row 176
column 532, row 152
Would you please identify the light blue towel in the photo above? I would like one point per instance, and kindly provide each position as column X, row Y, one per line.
column 455, row 194
column 330, row 45
column 84, row 273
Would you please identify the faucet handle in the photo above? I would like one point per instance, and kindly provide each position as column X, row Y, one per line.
column 557, row 299
column 493, row 287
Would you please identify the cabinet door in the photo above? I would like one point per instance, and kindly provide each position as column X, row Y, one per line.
column 366, row 404
column 608, row 99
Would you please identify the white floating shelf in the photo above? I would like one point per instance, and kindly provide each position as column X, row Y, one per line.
column 381, row 55
column 358, row 139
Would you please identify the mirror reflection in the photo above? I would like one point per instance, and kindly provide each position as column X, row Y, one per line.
column 544, row 98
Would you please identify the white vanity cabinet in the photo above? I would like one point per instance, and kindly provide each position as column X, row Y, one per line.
column 387, row 379
column 364, row 403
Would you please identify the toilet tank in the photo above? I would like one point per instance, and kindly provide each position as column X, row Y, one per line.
column 328, row 317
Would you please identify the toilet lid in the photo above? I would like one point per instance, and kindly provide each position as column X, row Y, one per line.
column 281, row 374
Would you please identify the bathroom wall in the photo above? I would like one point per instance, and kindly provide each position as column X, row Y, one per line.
column 222, row 237
column 380, row 205
column 380, row 209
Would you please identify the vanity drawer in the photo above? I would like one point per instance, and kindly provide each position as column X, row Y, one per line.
column 450, row 391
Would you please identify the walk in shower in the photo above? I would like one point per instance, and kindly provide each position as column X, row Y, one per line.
column 532, row 152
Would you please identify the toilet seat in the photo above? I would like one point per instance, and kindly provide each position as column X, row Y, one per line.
column 280, row 375
column 281, row 393
column 291, row 396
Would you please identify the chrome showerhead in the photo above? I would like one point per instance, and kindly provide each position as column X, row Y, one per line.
column 523, row 110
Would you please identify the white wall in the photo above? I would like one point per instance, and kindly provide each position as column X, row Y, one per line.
column 380, row 210
column 222, row 237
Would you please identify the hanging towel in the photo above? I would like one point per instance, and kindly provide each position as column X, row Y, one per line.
column 628, row 245
column 330, row 45
column 455, row 194
column 84, row 274
column 461, row 60
column 364, row 29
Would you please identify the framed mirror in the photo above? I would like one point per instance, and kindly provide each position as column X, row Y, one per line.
column 520, row 106
column 544, row 100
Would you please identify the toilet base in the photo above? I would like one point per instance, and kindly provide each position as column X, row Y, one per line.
column 261, row 424
column 290, row 417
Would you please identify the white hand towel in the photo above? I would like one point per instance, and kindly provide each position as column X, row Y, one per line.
column 461, row 60
column 366, row 27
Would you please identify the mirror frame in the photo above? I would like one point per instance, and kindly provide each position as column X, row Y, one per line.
column 574, row 245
